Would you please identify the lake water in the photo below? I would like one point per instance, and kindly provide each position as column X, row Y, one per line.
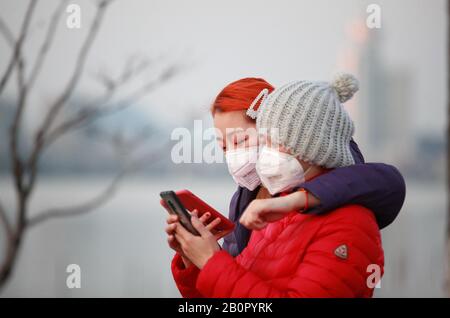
column 122, row 251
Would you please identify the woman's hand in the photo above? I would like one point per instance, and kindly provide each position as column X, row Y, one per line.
column 170, row 230
column 260, row 212
column 198, row 249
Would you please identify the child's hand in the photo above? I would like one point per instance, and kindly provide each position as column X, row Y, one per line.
column 260, row 212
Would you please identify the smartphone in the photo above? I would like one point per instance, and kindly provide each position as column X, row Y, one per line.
column 174, row 206
column 183, row 201
column 190, row 201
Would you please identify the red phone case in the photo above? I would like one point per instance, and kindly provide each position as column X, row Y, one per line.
column 191, row 202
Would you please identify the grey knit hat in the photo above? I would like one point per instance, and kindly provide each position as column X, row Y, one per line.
column 310, row 120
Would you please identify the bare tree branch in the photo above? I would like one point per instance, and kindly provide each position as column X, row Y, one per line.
column 17, row 165
column 18, row 46
column 103, row 197
column 78, row 70
column 5, row 222
column 92, row 112
column 61, row 100
column 25, row 172
column 48, row 40
column 124, row 145
column 132, row 69
column 83, row 208
column 21, row 77
column 7, row 33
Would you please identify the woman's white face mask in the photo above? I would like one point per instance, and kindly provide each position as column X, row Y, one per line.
column 241, row 165
column 279, row 171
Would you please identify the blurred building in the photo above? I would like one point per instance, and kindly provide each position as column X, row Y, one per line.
column 382, row 109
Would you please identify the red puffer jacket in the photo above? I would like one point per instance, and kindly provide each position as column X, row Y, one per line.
column 301, row 255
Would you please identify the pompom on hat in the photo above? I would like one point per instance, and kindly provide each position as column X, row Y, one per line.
column 311, row 121
column 346, row 85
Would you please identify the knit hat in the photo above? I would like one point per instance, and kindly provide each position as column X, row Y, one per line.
column 311, row 121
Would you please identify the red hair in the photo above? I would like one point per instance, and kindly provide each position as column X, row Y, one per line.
column 239, row 95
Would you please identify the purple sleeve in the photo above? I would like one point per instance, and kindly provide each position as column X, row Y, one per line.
column 356, row 153
column 377, row 186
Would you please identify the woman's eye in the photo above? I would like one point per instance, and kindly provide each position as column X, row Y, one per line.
column 241, row 141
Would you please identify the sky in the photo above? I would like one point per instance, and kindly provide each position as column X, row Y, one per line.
column 221, row 41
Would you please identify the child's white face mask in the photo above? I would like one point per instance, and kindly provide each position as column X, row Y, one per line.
column 241, row 165
column 279, row 171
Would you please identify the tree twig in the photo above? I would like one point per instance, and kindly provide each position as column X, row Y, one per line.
column 93, row 112
column 17, row 164
column 18, row 46
column 4, row 220
column 60, row 101
column 7, row 33
column 99, row 199
column 78, row 69
column 83, row 208
column 46, row 44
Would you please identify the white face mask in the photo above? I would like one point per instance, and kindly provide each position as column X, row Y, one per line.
column 241, row 165
column 279, row 171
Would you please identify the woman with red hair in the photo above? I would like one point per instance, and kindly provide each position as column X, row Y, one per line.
column 377, row 187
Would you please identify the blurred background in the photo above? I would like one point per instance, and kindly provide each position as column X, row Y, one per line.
column 108, row 95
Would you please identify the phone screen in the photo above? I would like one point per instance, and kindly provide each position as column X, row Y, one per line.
column 174, row 206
